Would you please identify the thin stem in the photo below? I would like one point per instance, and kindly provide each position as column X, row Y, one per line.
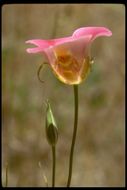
column 53, row 165
column 74, row 134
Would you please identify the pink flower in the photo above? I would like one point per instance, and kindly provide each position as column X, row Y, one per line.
column 69, row 57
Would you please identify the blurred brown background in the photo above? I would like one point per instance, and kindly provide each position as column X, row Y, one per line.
column 99, row 152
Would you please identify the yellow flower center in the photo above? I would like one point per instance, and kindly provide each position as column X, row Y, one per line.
column 68, row 69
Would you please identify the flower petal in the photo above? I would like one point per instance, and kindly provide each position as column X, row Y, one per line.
column 85, row 31
column 94, row 31
column 78, row 48
column 34, row 50
column 44, row 44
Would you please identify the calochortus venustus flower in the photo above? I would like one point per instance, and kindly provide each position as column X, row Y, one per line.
column 70, row 60
column 70, row 57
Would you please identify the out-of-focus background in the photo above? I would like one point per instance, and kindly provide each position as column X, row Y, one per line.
column 99, row 151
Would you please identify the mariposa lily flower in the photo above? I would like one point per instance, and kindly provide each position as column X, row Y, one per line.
column 70, row 57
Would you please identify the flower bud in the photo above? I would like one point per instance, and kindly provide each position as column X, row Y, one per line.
column 51, row 128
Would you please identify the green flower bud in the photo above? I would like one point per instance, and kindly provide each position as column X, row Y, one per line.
column 51, row 127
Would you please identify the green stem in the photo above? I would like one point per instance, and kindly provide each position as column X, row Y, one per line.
column 53, row 165
column 74, row 134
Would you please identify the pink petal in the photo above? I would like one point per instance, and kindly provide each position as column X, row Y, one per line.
column 76, row 47
column 60, row 40
column 34, row 50
column 41, row 45
column 38, row 42
column 94, row 31
column 44, row 44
